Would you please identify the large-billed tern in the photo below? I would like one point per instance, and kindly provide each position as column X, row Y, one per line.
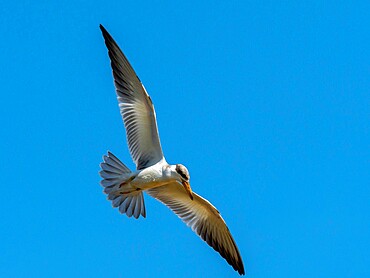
column 167, row 183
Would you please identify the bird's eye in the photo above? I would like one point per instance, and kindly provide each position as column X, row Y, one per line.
column 181, row 170
column 182, row 175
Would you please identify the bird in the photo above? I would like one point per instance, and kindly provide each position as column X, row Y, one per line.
column 169, row 184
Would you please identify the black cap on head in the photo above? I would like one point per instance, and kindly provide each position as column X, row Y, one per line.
column 182, row 171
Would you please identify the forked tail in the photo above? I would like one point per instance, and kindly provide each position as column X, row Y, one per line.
column 115, row 174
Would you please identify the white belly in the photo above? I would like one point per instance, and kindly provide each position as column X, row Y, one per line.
column 149, row 178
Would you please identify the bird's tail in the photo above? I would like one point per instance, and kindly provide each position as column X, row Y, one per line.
column 116, row 182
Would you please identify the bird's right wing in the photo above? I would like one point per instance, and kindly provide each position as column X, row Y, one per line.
column 203, row 218
column 136, row 108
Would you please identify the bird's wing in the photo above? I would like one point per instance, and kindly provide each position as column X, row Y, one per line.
column 136, row 108
column 203, row 218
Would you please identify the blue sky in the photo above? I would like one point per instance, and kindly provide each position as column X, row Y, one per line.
column 266, row 103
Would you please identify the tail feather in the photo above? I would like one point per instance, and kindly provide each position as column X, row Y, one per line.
column 113, row 162
column 114, row 173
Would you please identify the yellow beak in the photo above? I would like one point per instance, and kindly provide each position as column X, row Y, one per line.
column 188, row 188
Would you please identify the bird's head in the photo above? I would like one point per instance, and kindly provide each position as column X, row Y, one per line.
column 185, row 178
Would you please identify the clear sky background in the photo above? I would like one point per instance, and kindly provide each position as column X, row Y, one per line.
column 266, row 102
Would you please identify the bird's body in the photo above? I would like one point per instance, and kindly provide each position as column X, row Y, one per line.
column 169, row 184
column 151, row 177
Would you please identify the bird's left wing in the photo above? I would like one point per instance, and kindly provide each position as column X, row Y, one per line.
column 136, row 108
column 203, row 218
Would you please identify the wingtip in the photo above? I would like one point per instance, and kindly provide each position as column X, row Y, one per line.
column 103, row 30
column 240, row 268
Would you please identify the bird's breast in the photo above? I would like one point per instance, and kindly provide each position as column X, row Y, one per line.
column 149, row 178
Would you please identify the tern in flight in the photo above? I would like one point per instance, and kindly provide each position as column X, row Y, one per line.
column 167, row 183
